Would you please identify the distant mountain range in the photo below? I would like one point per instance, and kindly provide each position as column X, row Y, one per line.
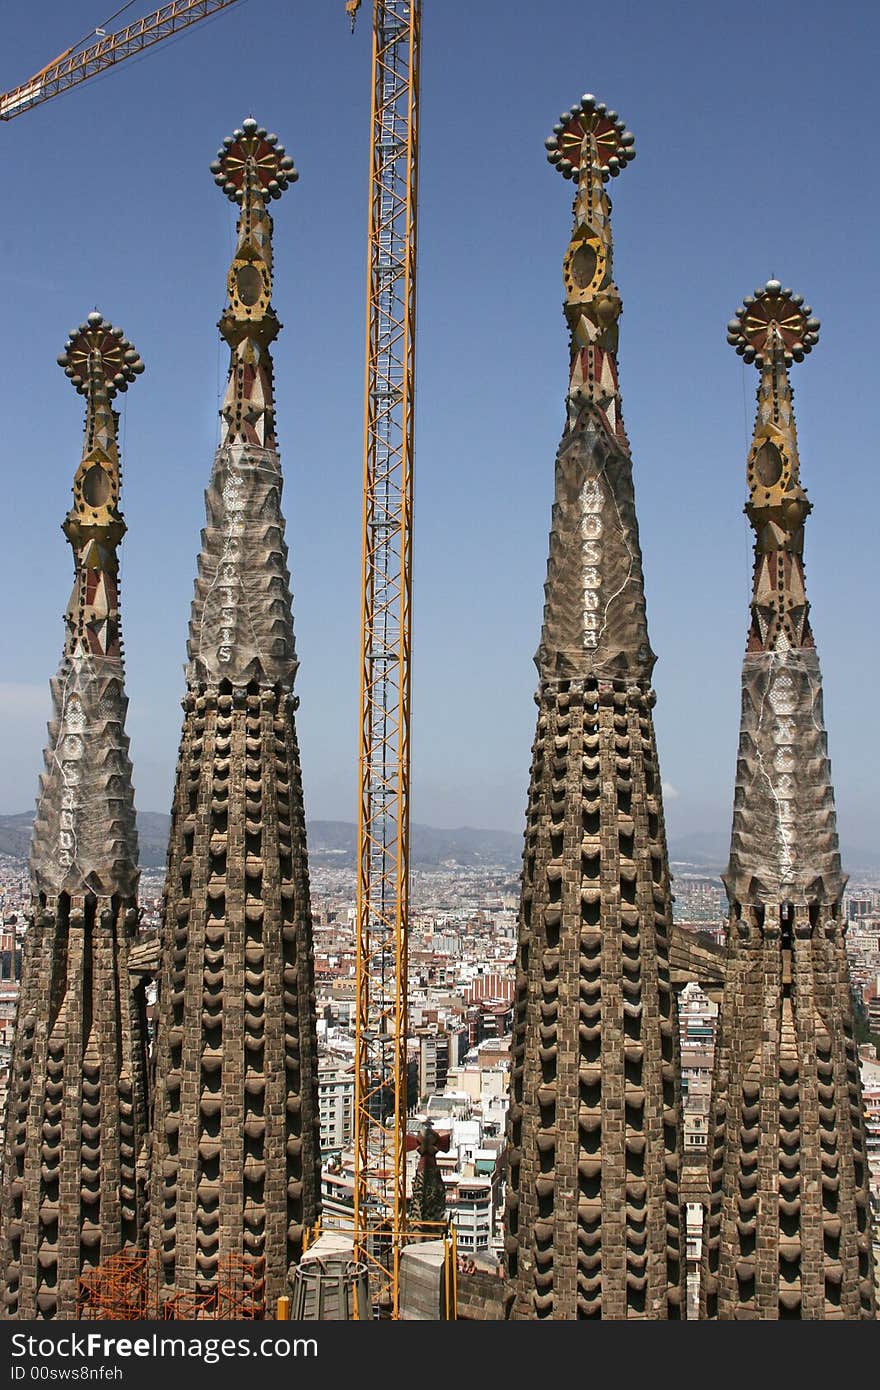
column 15, row 836
column 708, row 849
column 331, row 842
column 334, row 842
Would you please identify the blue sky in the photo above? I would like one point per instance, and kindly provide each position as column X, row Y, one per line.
column 754, row 125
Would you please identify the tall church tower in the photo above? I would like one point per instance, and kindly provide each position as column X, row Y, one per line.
column 592, row 1222
column 787, row 1227
column 236, row 1158
column 77, row 1105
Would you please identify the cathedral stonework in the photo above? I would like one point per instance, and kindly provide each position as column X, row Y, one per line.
column 73, row 1190
column 787, row 1225
column 236, row 1157
column 593, row 1227
column 203, row 1193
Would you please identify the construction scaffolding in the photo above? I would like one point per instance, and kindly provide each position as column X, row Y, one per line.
column 120, row 1289
column 238, row 1295
column 126, row 1288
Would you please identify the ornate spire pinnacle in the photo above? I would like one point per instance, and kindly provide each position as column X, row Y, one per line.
column 99, row 362
column 241, row 628
column 590, row 145
column 84, row 832
column 774, row 328
column 252, row 168
column 594, row 614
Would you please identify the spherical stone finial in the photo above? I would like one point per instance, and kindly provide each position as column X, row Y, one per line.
column 773, row 318
column 252, row 157
column 97, row 346
column 614, row 144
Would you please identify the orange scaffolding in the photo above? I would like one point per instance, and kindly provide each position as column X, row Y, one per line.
column 238, row 1295
column 126, row 1288
column 119, row 1289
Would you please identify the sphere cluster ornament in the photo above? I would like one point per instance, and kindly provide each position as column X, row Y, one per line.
column 252, row 157
column 96, row 346
column 614, row 144
column 773, row 320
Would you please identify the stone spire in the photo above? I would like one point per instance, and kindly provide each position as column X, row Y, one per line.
column 77, row 1093
column 241, row 628
column 592, row 1222
column 594, row 611
column 73, row 849
column 236, row 1158
column 787, row 1232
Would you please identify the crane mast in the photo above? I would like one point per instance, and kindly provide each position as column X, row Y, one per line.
column 386, row 621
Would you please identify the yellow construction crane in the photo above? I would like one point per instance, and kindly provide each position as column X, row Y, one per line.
column 386, row 611
column 386, row 627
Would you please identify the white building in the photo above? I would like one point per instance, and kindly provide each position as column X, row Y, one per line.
column 335, row 1104
column 469, row 1204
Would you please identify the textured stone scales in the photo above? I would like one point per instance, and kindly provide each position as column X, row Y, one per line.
column 592, row 1222
column 77, row 1106
column 787, row 1225
column 236, row 1149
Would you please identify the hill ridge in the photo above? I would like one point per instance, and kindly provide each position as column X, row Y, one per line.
column 334, row 842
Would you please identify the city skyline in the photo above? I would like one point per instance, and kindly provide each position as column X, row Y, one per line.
column 489, row 397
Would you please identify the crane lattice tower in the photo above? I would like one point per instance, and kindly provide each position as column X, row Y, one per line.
column 592, row 1221
column 787, row 1226
column 236, row 1157
column 382, row 909
column 73, row 1193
